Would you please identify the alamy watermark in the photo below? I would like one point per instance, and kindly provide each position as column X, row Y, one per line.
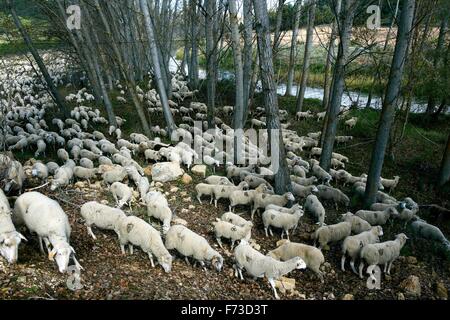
column 374, row 21
column 73, row 21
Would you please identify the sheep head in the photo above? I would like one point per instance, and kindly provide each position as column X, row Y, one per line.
column 9, row 245
column 166, row 262
column 61, row 254
column 217, row 262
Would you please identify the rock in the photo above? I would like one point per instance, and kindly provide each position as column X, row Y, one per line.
column 191, row 207
column 188, row 199
column 105, row 202
column 136, row 194
column 174, row 189
column 186, row 179
column 180, row 221
column 166, row 171
column 348, row 296
column 254, row 245
column 22, row 279
column 331, row 296
column 184, row 211
column 441, row 291
column 183, row 193
column 199, row 170
column 159, row 185
column 411, row 286
column 148, row 171
column 411, row 260
column 285, row 284
column 400, row 296
column 97, row 185
column 79, row 184
column 281, row 242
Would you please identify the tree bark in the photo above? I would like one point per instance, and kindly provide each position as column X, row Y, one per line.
column 282, row 178
column 444, row 173
column 248, row 54
column 307, row 55
column 293, row 49
column 211, row 59
column 392, row 93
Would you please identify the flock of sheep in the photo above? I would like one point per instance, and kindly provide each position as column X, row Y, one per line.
column 89, row 155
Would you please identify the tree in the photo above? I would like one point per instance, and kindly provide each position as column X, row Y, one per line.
column 307, row 55
column 247, row 55
column 282, row 178
column 293, row 49
column 389, row 103
column 444, row 173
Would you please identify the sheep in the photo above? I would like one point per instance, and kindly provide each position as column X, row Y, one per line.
column 332, row 233
column 156, row 197
column 285, row 221
column 352, row 245
column 314, row 206
column 254, row 181
column 382, row 206
column 259, row 265
column 358, row 225
column 203, row 189
column 118, row 174
column 152, row 155
column 63, row 155
column 312, row 256
column 40, row 171
column 304, row 115
column 235, row 219
column 381, row 253
column 337, row 196
column 291, row 210
column 63, row 176
column 160, row 212
column 262, row 200
column 410, row 203
column 52, row 167
column 122, row 194
column 135, row 231
column 190, row 244
column 351, row 122
column 86, row 163
column 46, row 218
column 427, row 231
column 41, row 146
column 105, row 160
column 210, row 161
column 84, row 173
column 321, row 174
column 377, row 217
column 407, row 215
column 343, row 139
column 303, row 191
column 101, row 216
column 220, row 192
column 223, row 229
column 143, row 186
column 304, row 181
column 218, row 180
column 390, row 184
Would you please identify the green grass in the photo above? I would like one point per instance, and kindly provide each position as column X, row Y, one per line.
column 7, row 48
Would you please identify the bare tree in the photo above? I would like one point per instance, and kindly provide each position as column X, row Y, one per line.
column 247, row 54
column 211, row 58
column 444, row 173
column 389, row 103
column 293, row 49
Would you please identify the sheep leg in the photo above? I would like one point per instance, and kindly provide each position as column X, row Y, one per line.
column 240, row 273
column 122, row 249
column 272, row 284
column 343, row 263
column 219, row 241
column 265, row 230
column 47, row 245
column 131, row 248
column 389, row 268
column 187, row 261
column 215, row 202
column 270, row 231
column 232, row 245
column 198, row 198
column 385, row 267
column 151, row 259
column 352, row 264
column 361, row 267
column 287, row 234
column 41, row 247
column 202, row 264
column 91, row 233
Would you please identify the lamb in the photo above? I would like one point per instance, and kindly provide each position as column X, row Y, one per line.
column 390, row 184
column 312, row 256
column 218, row 180
column 101, row 216
column 225, row 191
column 321, row 174
column 135, row 231
column 63, row 176
column 259, row 265
column 86, row 163
column 377, row 217
column 143, row 186
column 351, row 122
column 210, row 161
column 332, row 233
column 262, row 200
column 45, row 217
column 190, row 244
column 427, row 231
column 40, row 171
column 381, row 253
column 84, row 173
column 358, row 225
column 352, row 245
column 235, row 219
column 314, row 206
column 303, row 191
column 223, row 229
column 122, row 194
column 203, row 189
column 285, row 221
column 337, row 196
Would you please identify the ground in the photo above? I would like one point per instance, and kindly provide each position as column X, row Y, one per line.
column 109, row 275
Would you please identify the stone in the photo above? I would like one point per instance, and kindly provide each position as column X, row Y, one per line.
column 285, row 284
column 348, row 296
column 174, row 189
column 148, row 171
column 400, row 296
column 191, row 207
column 159, row 185
column 180, row 221
column 188, row 199
column 105, row 202
column 186, row 179
column 441, row 291
column 184, row 210
column 79, row 184
column 199, row 170
column 166, row 171
column 411, row 260
column 281, row 242
column 411, row 286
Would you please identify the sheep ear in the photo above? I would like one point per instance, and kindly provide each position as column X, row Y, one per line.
column 51, row 255
column 21, row 236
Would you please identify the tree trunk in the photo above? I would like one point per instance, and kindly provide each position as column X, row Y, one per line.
column 346, row 22
column 277, row 33
column 48, row 79
column 282, row 178
column 444, row 173
column 392, row 93
column 307, row 55
column 248, row 54
column 211, row 59
column 293, row 50
column 157, row 67
column 193, row 65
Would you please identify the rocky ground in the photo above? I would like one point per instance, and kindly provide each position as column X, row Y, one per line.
column 109, row 275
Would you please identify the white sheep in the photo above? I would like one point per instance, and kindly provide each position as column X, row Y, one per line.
column 352, row 245
column 277, row 219
column 227, row 230
column 143, row 187
column 258, row 265
column 62, row 178
column 117, row 174
column 135, row 231
column 427, row 231
column 218, row 180
column 390, row 183
column 84, row 173
column 332, row 233
column 315, row 207
column 235, row 219
column 262, row 200
column 122, row 194
column 377, row 217
column 329, row 193
column 303, row 191
column 312, row 256
column 86, row 163
column 358, row 225
column 160, row 212
column 204, row 189
column 40, row 171
column 101, row 216
column 224, row 191
column 190, row 244
column 381, row 253
column 321, row 174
